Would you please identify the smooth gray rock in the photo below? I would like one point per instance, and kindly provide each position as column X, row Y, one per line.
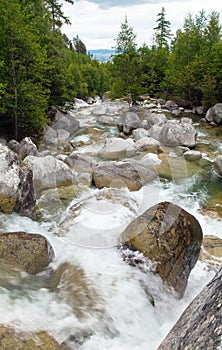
column 156, row 118
column 128, row 122
column 200, row 325
column 174, row 134
column 214, row 114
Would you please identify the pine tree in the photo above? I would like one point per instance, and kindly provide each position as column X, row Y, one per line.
column 162, row 30
column 126, row 40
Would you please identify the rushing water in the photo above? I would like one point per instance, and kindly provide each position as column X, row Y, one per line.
column 118, row 313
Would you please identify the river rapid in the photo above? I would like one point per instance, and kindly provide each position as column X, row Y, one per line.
column 111, row 305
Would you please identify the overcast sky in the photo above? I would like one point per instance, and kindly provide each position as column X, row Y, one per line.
column 97, row 23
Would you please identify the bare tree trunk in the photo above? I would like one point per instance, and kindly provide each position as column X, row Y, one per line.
column 15, row 92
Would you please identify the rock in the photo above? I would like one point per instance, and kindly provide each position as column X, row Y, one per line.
column 154, row 131
column 80, row 163
column 115, row 148
column 70, row 284
column 150, row 159
column 67, row 123
column 211, row 250
column 55, row 137
column 171, row 105
column 192, row 155
column 199, row 326
column 16, row 184
column 147, row 144
column 174, row 134
column 218, row 164
column 27, row 148
column 128, row 122
column 214, row 114
column 116, row 174
column 27, row 252
column 171, row 237
column 11, row 340
column 49, row 172
column 13, row 145
column 156, row 118
column 106, row 120
column 139, row 133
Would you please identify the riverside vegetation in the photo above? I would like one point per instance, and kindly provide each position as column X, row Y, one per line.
column 111, row 225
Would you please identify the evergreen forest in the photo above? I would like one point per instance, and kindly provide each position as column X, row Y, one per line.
column 41, row 67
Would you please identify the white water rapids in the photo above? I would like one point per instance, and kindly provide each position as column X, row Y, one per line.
column 85, row 234
column 121, row 315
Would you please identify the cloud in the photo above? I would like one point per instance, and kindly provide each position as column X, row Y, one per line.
column 106, row 4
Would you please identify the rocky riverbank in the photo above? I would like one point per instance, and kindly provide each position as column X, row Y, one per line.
column 113, row 148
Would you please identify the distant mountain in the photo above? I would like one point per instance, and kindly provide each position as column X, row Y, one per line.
column 102, row 55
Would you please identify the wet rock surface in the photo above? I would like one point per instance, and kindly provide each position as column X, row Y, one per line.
column 169, row 236
column 200, row 326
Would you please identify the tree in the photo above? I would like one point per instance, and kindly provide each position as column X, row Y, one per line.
column 79, row 46
column 126, row 40
column 162, row 30
column 58, row 16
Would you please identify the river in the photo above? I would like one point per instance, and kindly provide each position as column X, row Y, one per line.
column 117, row 313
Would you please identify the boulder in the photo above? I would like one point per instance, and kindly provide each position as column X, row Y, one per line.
column 11, row 340
column 80, row 163
column 55, row 137
column 211, row 250
column 156, row 118
column 147, row 144
column 150, row 159
column 16, row 184
column 27, row 148
column 28, row 252
column 171, row 105
column 128, row 122
column 154, row 131
column 140, row 133
column 214, row 114
column 115, row 148
column 192, row 155
column 199, row 327
column 128, row 174
column 49, row 172
column 171, row 237
column 67, row 123
column 175, row 133
column 218, row 164
column 106, row 120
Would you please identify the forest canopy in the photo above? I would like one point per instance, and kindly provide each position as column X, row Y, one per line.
column 41, row 67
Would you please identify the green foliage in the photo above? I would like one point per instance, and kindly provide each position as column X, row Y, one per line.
column 126, row 40
column 162, row 30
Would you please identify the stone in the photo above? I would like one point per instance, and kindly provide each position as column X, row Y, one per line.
column 80, row 163
column 126, row 174
column 171, row 105
column 49, row 172
column 156, row 118
column 200, row 325
column 214, row 114
column 218, row 164
column 55, row 137
column 150, row 159
column 16, row 184
column 174, row 134
column 128, row 122
column 169, row 236
column 106, row 120
column 211, row 250
column 115, row 148
column 192, row 155
column 28, row 252
column 140, row 133
column 147, row 144
column 67, row 123
column 27, row 148
column 11, row 340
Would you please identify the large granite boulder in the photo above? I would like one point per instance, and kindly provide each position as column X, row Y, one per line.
column 171, row 237
column 200, row 325
column 25, row 148
column 11, row 340
column 175, row 133
column 214, row 114
column 128, row 122
column 115, row 148
column 16, row 184
column 126, row 174
column 49, row 172
column 80, row 163
column 147, row 144
column 27, row 252
column 156, row 118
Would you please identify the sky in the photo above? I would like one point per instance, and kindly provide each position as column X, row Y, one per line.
column 97, row 23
